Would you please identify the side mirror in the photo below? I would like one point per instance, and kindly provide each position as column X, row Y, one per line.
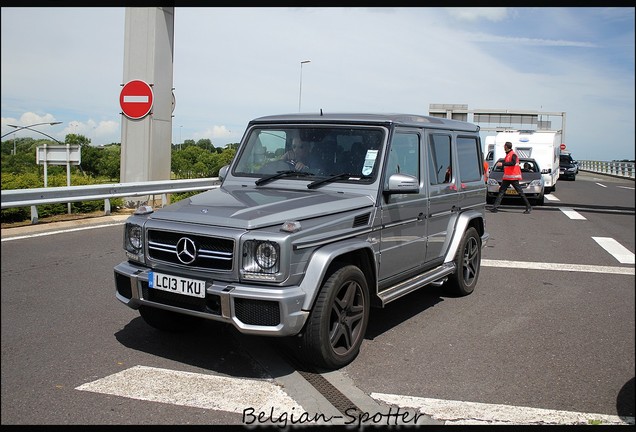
column 223, row 172
column 403, row 183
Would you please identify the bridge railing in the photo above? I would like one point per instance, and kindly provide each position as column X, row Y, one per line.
column 53, row 195
column 617, row 169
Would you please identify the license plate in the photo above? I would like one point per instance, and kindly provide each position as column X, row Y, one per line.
column 511, row 192
column 176, row 284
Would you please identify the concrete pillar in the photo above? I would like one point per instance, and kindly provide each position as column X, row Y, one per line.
column 148, row 56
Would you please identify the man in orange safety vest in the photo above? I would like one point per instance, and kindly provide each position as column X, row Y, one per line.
column 511, row 176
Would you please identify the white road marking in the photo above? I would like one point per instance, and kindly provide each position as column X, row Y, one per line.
column 559, row 267
column 626, row 187
column 195, row 390
column 617, row 250
column 571, row 213
column 601, row 185
column 551, row 197
column 60, row 231
column 464, row 413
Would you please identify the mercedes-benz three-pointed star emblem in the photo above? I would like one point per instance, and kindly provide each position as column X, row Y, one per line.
column 186, row 250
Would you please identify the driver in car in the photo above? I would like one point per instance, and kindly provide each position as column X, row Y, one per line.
column 297, row 155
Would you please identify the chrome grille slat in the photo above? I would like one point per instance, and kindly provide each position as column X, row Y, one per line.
column 213, row 253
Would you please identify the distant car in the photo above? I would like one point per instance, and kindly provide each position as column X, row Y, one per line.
column 568, row 168
column 531, row 182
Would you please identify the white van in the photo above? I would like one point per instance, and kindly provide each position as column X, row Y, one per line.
column 542, row 146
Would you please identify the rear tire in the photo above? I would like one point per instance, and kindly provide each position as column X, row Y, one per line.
column 336, row 326
column 468, row 264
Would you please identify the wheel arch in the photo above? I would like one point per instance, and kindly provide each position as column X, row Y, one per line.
column 326, row 260
column 471, row 218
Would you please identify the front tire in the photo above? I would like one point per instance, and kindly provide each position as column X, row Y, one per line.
column 336, row 326
column 468, row 264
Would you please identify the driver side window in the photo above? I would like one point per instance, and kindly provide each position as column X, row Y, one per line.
column 404, row 155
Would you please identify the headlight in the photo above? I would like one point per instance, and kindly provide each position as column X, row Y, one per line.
column 266, row 255
column 261, row 259
column 133, row 238
column 535, row 183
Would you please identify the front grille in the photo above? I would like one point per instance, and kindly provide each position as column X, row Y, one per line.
column 210, row 304
column 257, row 312
column 212, row 253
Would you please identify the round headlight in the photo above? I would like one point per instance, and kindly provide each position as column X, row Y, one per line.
column 135, row 236
column 266, row 255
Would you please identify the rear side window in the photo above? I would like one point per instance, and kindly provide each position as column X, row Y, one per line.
column 468, row 155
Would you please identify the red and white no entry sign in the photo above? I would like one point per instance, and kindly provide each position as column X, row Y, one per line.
column 562, row 146
column 136, row 99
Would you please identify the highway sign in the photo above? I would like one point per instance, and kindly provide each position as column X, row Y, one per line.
column 136, row 99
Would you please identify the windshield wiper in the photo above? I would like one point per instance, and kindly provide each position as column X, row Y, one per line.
column 280, row 174
column 317, row 183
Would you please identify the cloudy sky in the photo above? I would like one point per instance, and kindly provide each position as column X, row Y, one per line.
column 234, row 64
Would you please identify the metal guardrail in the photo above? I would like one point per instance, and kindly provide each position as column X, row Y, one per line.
column 617, row 169
column 54, row 195
column 65, row 194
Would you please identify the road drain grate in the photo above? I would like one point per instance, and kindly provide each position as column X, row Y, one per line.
column 331, row 393
column 334, row 396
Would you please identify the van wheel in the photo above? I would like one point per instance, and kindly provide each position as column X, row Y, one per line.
column 468, row 263
column 335, row 329
column 540, row 201
column 166, row 320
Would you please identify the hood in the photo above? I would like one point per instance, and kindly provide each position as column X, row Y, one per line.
column 251, row 208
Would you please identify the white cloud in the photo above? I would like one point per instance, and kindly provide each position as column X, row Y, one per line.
column 474, row 14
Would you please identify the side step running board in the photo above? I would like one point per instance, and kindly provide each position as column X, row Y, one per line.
column 409, row 285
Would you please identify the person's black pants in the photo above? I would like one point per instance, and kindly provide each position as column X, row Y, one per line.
column 502, row 191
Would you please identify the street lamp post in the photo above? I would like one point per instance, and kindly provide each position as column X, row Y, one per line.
column 18, row 128
column 300, row 92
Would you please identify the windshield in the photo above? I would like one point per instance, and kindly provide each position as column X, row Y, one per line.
column 319, row 151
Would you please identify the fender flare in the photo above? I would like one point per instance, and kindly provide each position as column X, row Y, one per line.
column 463, row 221
column 320, row 261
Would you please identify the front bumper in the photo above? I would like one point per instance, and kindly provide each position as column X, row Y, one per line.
column 529, row 191
column 255, row 310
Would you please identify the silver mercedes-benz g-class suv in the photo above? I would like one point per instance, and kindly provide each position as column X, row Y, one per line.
column 317, row 219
